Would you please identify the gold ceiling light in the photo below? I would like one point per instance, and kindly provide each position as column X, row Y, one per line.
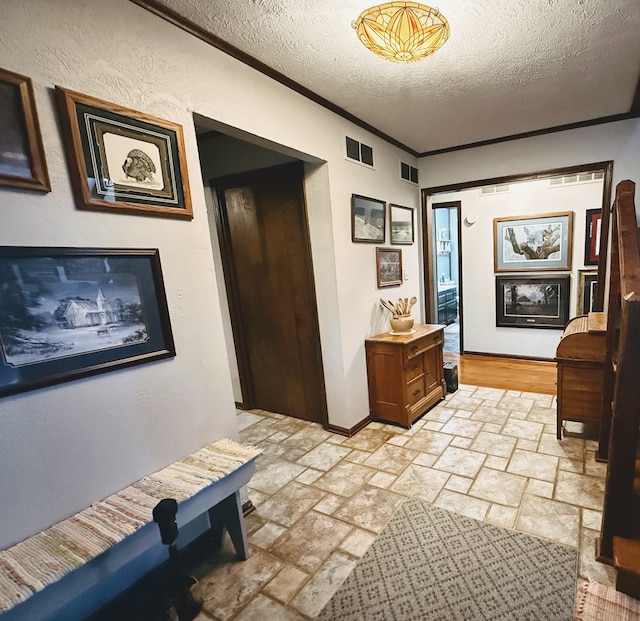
column 402, row 31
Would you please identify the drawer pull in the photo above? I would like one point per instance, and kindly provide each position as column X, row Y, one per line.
column 413, row 349
column 415, row 367
column 416, row 393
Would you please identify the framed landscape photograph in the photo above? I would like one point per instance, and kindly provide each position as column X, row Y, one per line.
column 587, row 282
column 22, row 161
column 532, row 301
column 388, row 267
column 541, row 242
column 367, row 219
column 401, row 219
column 67, row 313
column 122, row 160
column 593, row 227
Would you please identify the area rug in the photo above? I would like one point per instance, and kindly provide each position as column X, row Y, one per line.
column 597, row 602
column 429, row 564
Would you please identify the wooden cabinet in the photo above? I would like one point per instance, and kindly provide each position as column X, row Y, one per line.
column 580, row 360
column 405, row 373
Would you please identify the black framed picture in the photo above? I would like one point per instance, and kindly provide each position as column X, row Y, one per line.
column 368, row 219
column 22, row 161
column 67, row 313
column 124, row 160
column 532, row 301
column 388, row 267
column 401, row 219
column 587, row 282
column 593, row 226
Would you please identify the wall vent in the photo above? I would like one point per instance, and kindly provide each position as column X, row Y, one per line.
column 410, row 173
column 583, row 177
column 359, row 151
column 489, row 190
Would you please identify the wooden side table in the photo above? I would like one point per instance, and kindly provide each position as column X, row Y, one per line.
column 405, row 373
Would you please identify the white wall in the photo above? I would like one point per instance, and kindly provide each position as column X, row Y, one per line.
column 478, row 276
column 66, row 446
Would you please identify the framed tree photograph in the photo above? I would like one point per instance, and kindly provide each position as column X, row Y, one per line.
column 22, row 161
column 368, row 219
column 388, row 267
column 532, row 301
column 541, row 242
column 593, row 227
column 401, row 219
column 587, row 282
column 122, row 160
column 67, row 313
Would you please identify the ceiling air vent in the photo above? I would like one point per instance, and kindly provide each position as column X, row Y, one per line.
column 490, row 190
column 410, row 173
column 359, row 151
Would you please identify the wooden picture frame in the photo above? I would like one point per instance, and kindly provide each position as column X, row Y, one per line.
column 121, row 160
column 388, row 267
column 69, row 313
column 593, row 230
column 368, row 219
column 532, row 301
column 401, row 224
column 22, row 161
column 587, row 286
column 541, row 242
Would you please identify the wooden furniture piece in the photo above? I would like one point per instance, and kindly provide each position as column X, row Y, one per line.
column 580, row 360
column 621, row 393
column 405, row 373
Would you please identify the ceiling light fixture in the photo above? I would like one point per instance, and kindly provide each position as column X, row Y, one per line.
column 402, row 31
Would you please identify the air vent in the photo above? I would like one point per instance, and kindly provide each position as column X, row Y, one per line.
column 489, row 190
column 410, row 173
column 359, row 152
column 583, row 177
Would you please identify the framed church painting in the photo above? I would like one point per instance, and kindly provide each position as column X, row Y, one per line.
column 67, row 313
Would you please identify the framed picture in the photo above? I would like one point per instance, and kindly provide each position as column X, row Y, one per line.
column 587, row 282
column 123, row 160
column 532, row 301
column 388, row 267
column 593, row 227
column 538, row 243
column 67, row 313
column 401, row 219
column 367, row 219
column 22, row 161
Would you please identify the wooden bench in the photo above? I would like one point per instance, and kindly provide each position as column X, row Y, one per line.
column 73, row 568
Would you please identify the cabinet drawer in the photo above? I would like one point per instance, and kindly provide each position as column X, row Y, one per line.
column 418, row 347
column 415, row 390
column 413, row 367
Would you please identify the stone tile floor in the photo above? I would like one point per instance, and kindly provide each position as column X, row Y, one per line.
column 322, row 498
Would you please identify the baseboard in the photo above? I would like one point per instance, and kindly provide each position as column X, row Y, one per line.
column 507, row 356
column 352, row 431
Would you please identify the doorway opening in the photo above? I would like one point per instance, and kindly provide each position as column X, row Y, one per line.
column 260, row 237
column 446, row 272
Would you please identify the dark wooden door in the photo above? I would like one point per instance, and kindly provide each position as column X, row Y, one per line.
column 262, row 226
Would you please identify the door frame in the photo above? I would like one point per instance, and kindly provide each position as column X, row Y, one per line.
column 431, row 266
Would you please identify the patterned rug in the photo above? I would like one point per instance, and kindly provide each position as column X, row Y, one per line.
column 429, row 564
column 597, row 602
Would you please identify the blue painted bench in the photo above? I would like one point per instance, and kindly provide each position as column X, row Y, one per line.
column 72, row 569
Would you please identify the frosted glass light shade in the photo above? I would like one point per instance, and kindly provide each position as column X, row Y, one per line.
column 402, row 31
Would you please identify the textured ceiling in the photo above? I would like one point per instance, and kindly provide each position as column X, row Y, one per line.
column 509, row 66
